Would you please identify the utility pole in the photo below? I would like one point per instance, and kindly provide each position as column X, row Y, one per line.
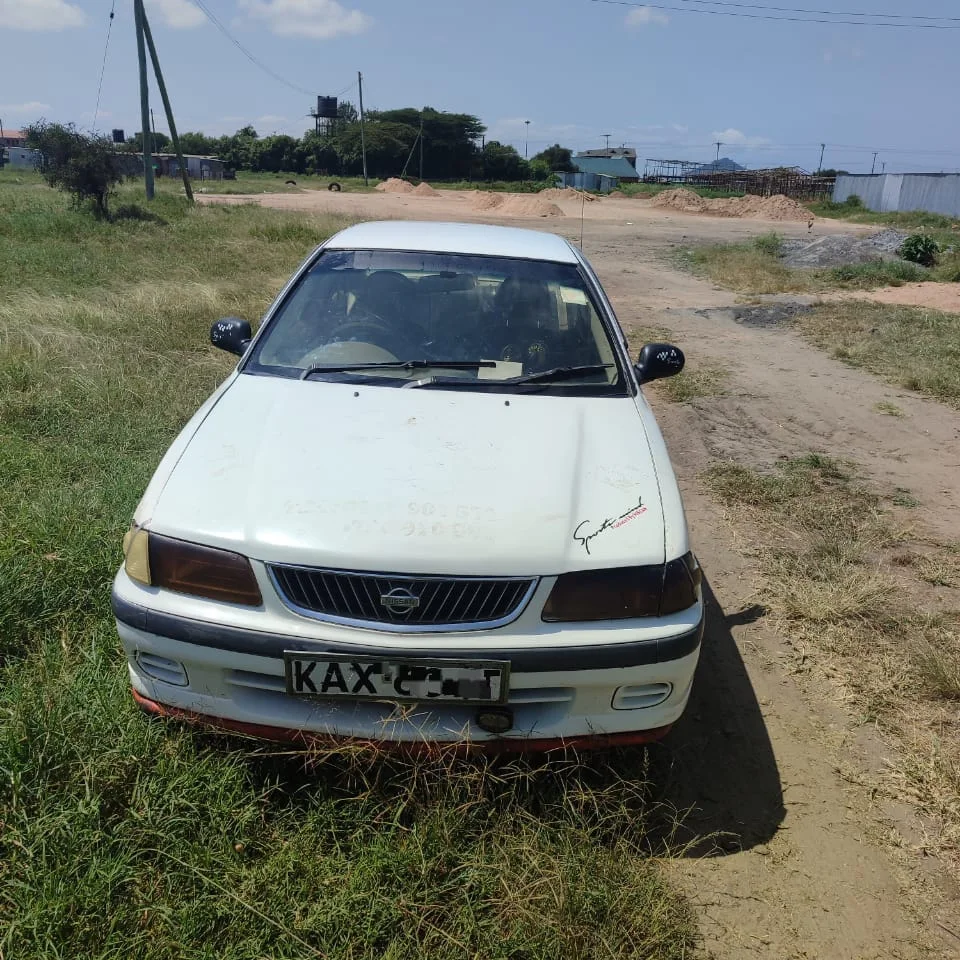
column 363, row 140
column 421, row 144
column 873, row 165
column 526, row 140
column 883, row 166
column 823, row 147
column 138, row 19
column 719, row 144
column 174, row 136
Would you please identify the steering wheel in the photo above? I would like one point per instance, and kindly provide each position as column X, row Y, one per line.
column 370, row 328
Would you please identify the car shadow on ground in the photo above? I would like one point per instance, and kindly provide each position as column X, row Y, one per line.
column 717, row 768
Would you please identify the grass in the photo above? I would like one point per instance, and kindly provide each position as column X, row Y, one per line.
column 248, row 181
column 755, row 267
column 829, row 552
column 889, row 408
column 701, row 380
column 121, row 836
column 912, row 347
column 910, row 221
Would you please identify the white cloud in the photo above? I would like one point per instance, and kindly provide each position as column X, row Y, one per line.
column 642, row 16
column 31, row 106
column 40, row 15
column 680, row 127
column 269, row 119
column 179, row 14
column 306, row 18
column 737, row 138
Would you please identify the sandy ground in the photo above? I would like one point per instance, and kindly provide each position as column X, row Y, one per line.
column 768, row 765
column 937, row 296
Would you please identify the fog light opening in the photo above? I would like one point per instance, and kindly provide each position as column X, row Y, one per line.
column 495, row 719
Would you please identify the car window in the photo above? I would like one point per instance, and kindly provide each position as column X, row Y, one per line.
column 521, row 317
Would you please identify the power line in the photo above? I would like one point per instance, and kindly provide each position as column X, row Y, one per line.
column 254, row 60
column 103, row 66
column 827, row 13
column 763, row 16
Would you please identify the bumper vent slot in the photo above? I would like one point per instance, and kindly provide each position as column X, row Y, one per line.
column 162, row 668
column 641, row 696
column 402, row 603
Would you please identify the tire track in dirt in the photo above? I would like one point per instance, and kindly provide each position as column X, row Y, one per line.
column 800, row 867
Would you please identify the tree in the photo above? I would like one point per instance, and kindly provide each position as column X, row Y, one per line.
column 158, row 142
column 194, row 142
column 82, row 164
column 557, row 159
column 502, row 162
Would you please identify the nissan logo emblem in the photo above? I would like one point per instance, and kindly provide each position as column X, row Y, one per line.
column 399, row 600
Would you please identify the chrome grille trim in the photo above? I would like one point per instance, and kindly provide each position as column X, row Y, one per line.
column 447, row 604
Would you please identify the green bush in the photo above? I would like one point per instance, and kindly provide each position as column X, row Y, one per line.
column 920, row 248
column 853, row 202
column 769, row 243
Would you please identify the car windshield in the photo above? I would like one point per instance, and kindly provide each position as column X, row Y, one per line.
column 395, row 318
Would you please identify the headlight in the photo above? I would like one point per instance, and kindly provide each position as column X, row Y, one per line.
column 622, row 593
column 190, row 568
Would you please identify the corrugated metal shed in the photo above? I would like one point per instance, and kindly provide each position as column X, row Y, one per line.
column 588, row 181
column 892, row 192
column 618, row 167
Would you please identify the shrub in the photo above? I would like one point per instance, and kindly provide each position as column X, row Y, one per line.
column 769, row 243
column 853, row 202
column 920, row 248
column 82, row 164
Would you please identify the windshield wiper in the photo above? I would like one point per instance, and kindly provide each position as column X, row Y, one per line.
column 559, row 373
column 395, row 365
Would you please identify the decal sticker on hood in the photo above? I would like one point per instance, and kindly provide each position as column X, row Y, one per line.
column 611, row 523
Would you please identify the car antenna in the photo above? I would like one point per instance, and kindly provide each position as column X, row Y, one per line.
column 583, row 203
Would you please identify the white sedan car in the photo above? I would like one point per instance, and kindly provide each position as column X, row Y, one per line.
column 430, row 505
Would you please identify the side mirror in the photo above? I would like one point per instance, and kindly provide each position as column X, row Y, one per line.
column 658, row 360
column 231, row 334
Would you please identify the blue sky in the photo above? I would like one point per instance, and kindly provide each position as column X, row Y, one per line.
column 668, row 82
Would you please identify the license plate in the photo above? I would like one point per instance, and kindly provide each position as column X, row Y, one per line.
column 396, row 678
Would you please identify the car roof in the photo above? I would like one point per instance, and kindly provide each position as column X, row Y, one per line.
column 468, row 238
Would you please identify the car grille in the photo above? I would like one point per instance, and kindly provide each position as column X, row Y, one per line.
column 402, row 603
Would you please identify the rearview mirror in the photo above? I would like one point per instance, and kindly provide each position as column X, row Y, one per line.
column 658, row 360
column 231, row 334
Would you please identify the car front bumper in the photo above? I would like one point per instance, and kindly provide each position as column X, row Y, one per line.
column 591, row 693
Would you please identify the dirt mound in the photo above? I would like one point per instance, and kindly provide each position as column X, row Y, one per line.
column 617, row 195
column 394, row 185
column 484, row 200
column 569, row 193
column 424, row 189
column 529, row 205
column 777, row 207
column 679, row 199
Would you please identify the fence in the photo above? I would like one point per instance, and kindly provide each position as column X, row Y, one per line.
column 901, row 192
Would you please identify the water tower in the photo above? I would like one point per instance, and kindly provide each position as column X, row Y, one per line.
column 325, row 114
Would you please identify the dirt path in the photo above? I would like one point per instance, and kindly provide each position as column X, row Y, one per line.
column 790, row 852
column 938, row 296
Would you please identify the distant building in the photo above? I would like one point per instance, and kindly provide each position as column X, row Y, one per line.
column 618, row 167
column 13, row 138
column 609, row 153
column 167, row 165
column 22, row 158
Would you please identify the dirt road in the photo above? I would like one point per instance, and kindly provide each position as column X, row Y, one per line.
column 791, row 853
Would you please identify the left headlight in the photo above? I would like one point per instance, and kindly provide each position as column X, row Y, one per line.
column 623, row 593
column 190, row 568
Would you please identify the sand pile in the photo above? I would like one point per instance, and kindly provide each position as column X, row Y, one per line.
column 685, row 200
column 515, row 204
column 559, row 193
column 424, row 189
column 484, row 200
column 777, row 207
column 528, row 205
column 617, row 195
column 394, row 185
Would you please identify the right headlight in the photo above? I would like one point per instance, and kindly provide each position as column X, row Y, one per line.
column 191, row 568
column 623, row 593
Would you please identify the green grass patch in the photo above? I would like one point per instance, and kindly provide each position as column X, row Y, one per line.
column 694, row 382
column 912, row 347
column 247, row 182
column 125, row 837
column 755, row 267
column 647, row 190
column 909, row 221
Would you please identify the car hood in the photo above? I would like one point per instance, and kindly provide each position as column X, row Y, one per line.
column 416, row 480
